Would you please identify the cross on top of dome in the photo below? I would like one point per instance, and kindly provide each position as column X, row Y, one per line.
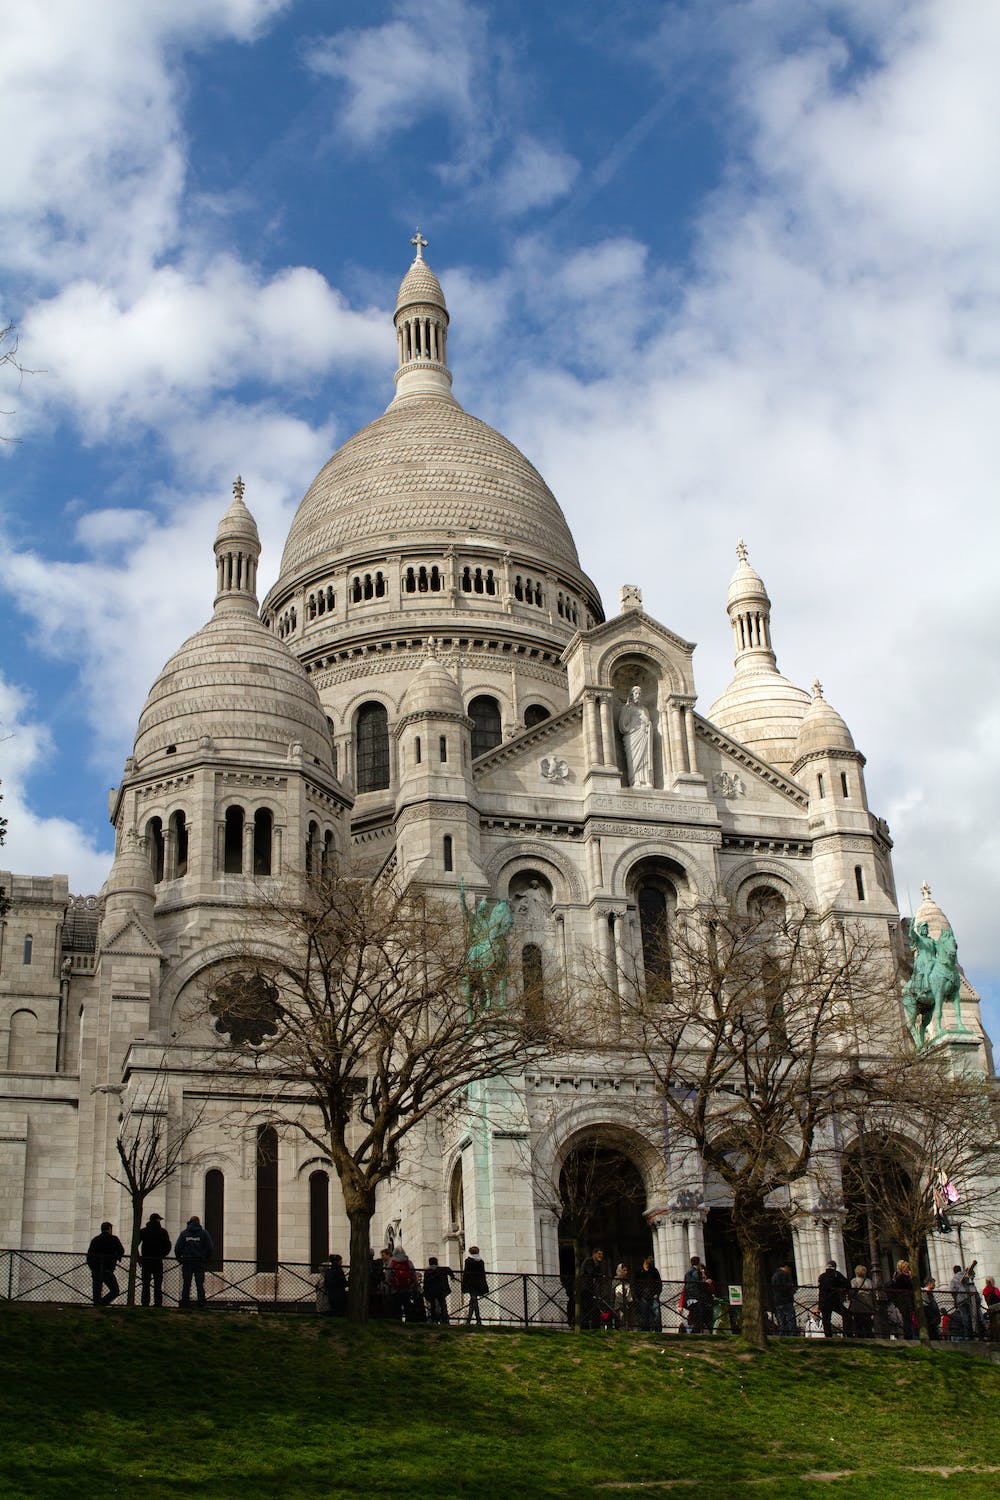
column 420, row 243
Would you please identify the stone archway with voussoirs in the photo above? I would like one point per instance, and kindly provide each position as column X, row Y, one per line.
column 739, row 883
column 689, row 885
column 625, row 653
column 513, row 859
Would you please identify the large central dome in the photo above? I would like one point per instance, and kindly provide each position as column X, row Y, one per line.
column 427, row 470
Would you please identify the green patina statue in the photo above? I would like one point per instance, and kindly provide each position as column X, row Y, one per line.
column 486, row 932
column 934, row 983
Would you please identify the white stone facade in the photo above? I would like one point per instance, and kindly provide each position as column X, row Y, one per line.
column 430, row 685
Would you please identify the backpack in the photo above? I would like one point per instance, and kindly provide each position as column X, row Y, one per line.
column 402, row 1275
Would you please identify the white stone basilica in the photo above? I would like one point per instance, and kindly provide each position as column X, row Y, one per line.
column 431, row 689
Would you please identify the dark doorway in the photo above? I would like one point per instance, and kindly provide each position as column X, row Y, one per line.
column 875, row 1186
column 215, row 1216
column 267, row 1198
column 603, row 1199
column 319, row 1218
column 724, row 1258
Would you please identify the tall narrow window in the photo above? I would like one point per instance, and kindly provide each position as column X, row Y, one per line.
column 154, row 843
column 845, row 789
column 443, row 748
column 821, row 784
column 22, row 1043
column 319, row 1218
column 449, row 857
column 263, row 829
column 232, row 862
column 859, row 881
column 486, row 728
column 372, row 747
column 656, row 902
column 533, row 982
column 329, row 852
column 416, row 749
column 29, row 944
column 215, row 1216
column 179, row 829
column 267, row 1198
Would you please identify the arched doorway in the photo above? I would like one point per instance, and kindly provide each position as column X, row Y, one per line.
column 603, row 1199
column 878, row 1197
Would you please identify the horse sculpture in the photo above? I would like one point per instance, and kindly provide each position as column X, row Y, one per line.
column 485, row 981
column 934, row 983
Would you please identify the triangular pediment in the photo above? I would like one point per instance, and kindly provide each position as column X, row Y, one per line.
column 544, row 760
column 749, row 777
column 633, row 623
column 131, row 940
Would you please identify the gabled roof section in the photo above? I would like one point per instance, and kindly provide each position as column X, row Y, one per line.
column 625, row 624
column 750, row 762
column 528, row 739
column 131, row 940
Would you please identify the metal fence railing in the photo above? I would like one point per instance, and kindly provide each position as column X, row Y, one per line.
column 514, row 1299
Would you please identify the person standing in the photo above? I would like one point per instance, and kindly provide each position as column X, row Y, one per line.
column 437, row 1288
column 932, row 1312
column 622, row 1293
column 901, row 1283
column 154, row 1244
column 697, row 1298
column 591, row 1277
column 335, row 1286
column 193, row 1249
column 402, row 1283
column 861, row 1300
column 648, row 1284
column 103, row 1254
column 832, row 1286
column 783, row 1297
column 474, row 1284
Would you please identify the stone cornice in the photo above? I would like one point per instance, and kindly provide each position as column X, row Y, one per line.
column 812, row 755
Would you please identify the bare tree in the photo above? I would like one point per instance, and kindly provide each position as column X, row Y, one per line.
column 364, row 1011
column 925, row 1157
column 754, row 1028
column 4, row 898
column 10, row 361
column 150, row 1149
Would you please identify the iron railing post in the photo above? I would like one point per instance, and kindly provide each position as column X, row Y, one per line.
column 524, row 1289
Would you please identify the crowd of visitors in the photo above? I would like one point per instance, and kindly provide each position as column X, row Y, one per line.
column 855, row 1308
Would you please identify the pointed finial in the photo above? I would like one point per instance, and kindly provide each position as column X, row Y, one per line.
column 741, row 551
column 817, row 688
column 420, row 243
column 925, row 891
column 238, row 487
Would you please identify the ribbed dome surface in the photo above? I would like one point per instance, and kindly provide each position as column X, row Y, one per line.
column 432, row 689
column 763, row 711
column 419, row 285
column 426, row 470
column 238, row 684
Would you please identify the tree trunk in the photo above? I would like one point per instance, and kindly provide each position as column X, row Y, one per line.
column 754, row 1330
column 359, row 1215
column 923, row 1332
column 133, row 1254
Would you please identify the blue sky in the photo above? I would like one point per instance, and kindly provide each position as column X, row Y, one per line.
column 721, row 268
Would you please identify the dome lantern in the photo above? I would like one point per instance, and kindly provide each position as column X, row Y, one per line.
column 237, row 553
column 421, row 321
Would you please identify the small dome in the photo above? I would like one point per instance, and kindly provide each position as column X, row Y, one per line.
column 238, row 525
column 432, row 690
column 822, row 728
column 420, row 285
column 239, row 685
column 928, row 911
column 130, row 885
column 763, row 711
column 746, row 584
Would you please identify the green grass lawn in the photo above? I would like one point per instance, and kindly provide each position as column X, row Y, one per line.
column 221, row 1405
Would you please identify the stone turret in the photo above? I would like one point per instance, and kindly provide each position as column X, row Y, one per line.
column 421, row 321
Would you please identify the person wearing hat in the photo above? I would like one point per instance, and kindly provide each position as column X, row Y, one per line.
column 154, row 1244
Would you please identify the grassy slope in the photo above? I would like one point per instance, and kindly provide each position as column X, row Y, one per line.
column 140, row 1403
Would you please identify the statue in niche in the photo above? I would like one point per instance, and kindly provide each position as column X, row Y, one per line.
column 637, row 733
column 532, row 906
column 485, row 981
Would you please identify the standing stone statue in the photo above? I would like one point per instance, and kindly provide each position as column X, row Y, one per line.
column 637, row 734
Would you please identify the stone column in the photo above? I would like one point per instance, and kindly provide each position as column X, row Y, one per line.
column 692, row 752
column 608, row 730
column 548, row 1242
column 678, row 744
column 669, row 764
column 248, row 845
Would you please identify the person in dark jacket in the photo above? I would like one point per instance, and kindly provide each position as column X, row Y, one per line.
column 698, row 1297
column 833, row 1286
column 335, row 1283
column 193, row 1249
column 783, row 1297
column 103, row 1254
column 437, row 1287
column 474, row 1284
column 591, row 1286
column 154, row 1244
column 647, row 1284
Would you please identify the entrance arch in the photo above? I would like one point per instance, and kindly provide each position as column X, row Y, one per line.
column 602, row 1197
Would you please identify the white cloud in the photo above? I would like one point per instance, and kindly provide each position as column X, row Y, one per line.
column 38, row 845
column 425, row 60
column 534, row 176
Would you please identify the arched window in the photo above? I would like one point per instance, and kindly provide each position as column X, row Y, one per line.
column 486, row 728
column 22, row 1044
column 263, row 829
column 154, row 843
column 179, row 830
column 232, row 862
column 456, row 1205
column 215, row 1216
column 312, row 848
column 329, row 852
column 657, row 901
column 535, row 713
column 765, row 904
column 267, row 1198
column 319, row 1218
column 372, row 748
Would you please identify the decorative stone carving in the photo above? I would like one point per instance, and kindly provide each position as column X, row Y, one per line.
column 637, row 734
column 730, row 784
column 554, row 770
column 630, row 597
